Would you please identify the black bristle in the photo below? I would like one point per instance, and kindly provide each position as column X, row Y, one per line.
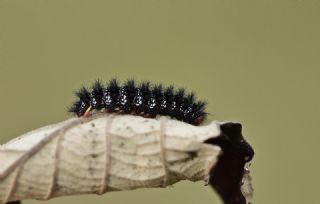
column 110, row 96
column 145, row 91
column 190, row 98
column 158, row 96
column 114, row 85
column 114, row 88
column 83, row 94
column 81, row 106
column 168, row 103
column 131, row 87
column 145, row 100
column 157, row 90
column 145, row 88
column 96, row 96
column 198, row 112
column 187, row 108
column 138, row 102
column 180, row 104
column 75, row 107
column 201, row 105
column 152, row 106
column 122, row 100
column 126, row 96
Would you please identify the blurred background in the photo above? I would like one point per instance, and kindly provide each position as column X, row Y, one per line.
column 256, row 62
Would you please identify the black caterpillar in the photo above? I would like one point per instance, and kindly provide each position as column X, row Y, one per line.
column 143, row 99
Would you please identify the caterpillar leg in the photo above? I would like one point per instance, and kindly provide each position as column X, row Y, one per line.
column 88, row 112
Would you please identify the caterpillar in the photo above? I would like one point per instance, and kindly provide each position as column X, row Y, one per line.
column 142, row 99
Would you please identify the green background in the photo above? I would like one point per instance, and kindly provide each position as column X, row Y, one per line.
column 256, row 62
